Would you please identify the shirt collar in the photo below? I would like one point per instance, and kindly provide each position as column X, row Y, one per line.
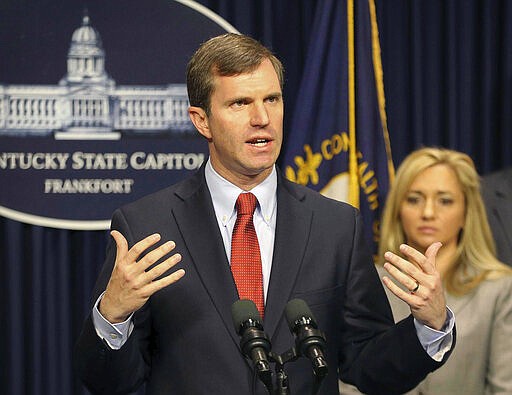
column 224, row 194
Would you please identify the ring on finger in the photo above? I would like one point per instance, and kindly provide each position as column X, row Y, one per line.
column 416, row 287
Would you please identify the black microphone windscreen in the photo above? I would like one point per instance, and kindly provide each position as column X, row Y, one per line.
column 243, row 310
column 295, row 310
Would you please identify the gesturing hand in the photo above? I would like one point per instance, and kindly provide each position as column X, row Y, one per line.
column 418, row 274
column 130, row 285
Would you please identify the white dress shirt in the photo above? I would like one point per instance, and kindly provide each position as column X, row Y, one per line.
column 224, row 195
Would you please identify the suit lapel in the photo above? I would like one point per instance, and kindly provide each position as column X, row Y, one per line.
column 292, row 232
column 198, row 226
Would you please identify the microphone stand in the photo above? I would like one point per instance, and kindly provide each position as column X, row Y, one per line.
column 282, row 382
column 283, row 387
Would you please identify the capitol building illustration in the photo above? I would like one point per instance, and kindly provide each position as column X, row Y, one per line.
column 87, row 104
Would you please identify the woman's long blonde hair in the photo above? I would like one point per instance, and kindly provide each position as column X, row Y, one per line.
column 475, row 258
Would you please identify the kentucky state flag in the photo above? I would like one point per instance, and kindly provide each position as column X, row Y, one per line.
column 339, row 143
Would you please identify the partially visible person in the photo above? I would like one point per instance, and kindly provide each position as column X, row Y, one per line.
column 497, row 194
column 436, row 197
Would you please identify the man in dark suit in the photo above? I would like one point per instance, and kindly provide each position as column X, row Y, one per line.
column 497, row 194
column 153, row 323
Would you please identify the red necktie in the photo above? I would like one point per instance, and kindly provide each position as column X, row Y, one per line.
column 245, row 253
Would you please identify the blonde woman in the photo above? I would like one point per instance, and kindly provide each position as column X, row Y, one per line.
column 436, row 197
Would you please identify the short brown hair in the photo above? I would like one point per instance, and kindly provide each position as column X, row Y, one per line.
column 225, row 55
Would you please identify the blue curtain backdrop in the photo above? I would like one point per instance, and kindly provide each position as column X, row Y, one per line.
column 448, row 81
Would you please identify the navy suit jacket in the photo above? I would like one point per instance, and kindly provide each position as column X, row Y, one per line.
column 497, row 194
column 184, row 341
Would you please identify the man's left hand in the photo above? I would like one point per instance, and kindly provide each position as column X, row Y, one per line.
column 420, row 276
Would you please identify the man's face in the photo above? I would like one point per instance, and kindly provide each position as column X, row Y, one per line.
column 245, row 126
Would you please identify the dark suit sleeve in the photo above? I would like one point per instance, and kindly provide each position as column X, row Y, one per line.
column 107, row 371
column 377, row 356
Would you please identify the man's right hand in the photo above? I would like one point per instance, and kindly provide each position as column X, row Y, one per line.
column 130, row 285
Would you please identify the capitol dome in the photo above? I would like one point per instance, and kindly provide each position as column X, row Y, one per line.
column 86, row 57
column 86, row 40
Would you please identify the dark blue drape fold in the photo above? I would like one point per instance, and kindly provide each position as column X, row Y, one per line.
column 448, row 74
column 47, row 280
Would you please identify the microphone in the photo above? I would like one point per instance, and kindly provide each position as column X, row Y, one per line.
column 309, row 340
column 254, row 343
